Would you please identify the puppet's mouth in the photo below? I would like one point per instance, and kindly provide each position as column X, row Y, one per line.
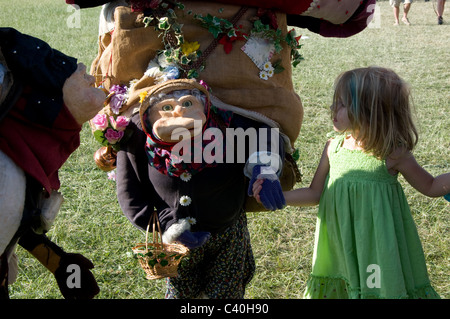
column 194, row 130
column 190, row 129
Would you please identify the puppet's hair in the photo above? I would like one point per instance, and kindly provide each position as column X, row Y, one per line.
column 177, row 94
column 379, row 108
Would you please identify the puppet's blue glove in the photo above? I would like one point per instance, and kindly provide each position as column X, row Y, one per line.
column 447, row 197
column 193, row 240
column 271, row 194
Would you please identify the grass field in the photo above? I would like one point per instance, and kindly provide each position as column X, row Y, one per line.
column 91, row 222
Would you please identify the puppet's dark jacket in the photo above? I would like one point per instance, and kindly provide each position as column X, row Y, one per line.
column 37, row 131
column 216, row 194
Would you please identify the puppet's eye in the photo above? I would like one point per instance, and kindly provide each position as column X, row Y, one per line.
column 167, row 108
column 187, row 103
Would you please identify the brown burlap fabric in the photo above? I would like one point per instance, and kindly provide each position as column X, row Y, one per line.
column 233, row 78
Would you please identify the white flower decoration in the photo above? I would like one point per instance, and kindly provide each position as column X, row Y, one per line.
column 112, row 175
column 185, row 200
column 191, row 220
column 185, row 177
column 263, row 75
column 268, row 66
column 132, row 83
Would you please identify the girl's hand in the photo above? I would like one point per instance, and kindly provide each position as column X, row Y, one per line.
column 270, row 195
column 257, row 187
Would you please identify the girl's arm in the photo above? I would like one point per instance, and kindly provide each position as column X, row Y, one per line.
column 310, row 196
column 419, row 178
column 305, row 196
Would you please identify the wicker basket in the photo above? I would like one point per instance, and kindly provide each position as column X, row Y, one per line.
column 159, row 260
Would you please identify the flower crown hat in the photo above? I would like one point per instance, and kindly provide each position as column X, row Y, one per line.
column 165, row 88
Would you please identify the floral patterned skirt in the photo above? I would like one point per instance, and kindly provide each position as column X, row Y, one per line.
column 220, row 269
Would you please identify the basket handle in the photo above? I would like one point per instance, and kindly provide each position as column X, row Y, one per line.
column 154, row 220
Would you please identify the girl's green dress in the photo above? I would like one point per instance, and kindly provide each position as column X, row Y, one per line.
column 366, row 241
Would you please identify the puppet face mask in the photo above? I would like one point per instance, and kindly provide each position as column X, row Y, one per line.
column 171, row 110
column 176, row 112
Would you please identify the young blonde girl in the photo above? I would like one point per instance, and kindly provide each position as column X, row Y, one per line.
column 366, row 242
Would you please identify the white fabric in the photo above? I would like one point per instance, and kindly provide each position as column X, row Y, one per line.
column 271, row 160
column 12, row 199
column 176, row 229
column 106, row 21
column 336, row 12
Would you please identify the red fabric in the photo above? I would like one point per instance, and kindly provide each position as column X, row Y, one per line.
column 286, row 6
column 40, row 151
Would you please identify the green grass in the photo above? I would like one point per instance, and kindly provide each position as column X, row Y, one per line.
column 91, row 222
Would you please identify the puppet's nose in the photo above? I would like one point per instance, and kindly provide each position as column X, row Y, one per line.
column 178, row 110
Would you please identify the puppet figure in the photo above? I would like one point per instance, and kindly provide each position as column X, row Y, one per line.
column 186, row 159
column 45, row 97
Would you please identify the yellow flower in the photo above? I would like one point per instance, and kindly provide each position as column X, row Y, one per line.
column 189, row 47
column 142, row 95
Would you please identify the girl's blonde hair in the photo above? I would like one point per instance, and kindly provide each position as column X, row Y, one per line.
column 379, row 107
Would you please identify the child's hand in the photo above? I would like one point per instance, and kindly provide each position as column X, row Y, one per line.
column 269, row 192
column 257, row 186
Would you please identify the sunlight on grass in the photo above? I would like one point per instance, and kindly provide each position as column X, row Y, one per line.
column 91, row 222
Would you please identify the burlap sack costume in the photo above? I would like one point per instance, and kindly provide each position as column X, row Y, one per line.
column 233, row 78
